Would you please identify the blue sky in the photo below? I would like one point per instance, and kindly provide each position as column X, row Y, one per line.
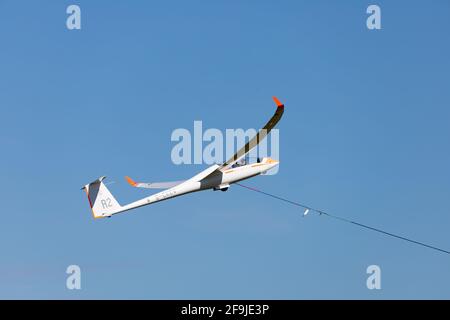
column 365, row 136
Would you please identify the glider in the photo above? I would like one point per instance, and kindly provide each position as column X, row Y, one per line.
column 217, row 177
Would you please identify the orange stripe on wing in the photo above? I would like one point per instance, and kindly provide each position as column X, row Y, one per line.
column 279, row 104
column 131, row 181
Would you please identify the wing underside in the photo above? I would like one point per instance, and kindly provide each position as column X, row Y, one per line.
column 259, row 136
column 236, row 157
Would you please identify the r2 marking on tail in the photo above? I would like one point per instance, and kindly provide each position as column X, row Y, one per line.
column 106, row 203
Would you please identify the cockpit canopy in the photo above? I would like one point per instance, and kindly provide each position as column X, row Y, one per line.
column 244, row 161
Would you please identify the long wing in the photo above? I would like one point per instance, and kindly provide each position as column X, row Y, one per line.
column 259, row 136
column 153, row 185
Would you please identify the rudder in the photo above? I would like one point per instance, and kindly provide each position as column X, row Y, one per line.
column 102, row 202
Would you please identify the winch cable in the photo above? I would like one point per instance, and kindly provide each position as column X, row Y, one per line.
column 320, row 212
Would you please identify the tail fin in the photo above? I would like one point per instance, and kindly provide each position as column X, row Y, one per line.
column 102, row 202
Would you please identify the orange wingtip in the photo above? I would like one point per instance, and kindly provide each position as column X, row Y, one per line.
column 279, row 104
column 131, row 181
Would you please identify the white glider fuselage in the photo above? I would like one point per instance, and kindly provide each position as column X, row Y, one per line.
column 217, row 177
column 211, row 178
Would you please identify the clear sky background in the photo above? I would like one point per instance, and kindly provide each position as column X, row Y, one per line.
column 365, row 135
